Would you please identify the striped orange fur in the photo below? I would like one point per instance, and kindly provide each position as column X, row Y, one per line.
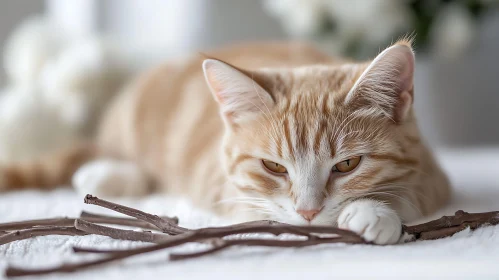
column 284, row 102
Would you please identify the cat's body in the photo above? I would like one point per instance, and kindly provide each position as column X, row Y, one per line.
column 287, row 107
column 169, row 123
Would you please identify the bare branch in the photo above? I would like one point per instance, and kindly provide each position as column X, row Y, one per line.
column 121, row 221
column 448, row 225
column 258, row 242
column 90, row 217
column 145, row 236
column 215, row 236
column 62, row 222
column 173, row 241
column 38, row 231
column 163, row 224
column 65, row 268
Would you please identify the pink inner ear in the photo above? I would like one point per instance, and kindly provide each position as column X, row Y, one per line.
column 214, row 84
column 237, row 94
column 403, row 106
column 407, row 70
column 387, row 82
column 213, row 81
column 405, row 79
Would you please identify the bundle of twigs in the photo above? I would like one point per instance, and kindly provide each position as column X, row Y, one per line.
column 167, row 233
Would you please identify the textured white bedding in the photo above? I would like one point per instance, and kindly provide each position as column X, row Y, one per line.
column 467, row 255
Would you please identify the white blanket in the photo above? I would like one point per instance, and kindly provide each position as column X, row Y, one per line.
column 467, row 255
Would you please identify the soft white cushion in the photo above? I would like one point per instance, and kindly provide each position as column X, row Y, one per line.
column 475, row 174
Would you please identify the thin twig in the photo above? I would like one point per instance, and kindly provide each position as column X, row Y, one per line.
column 266, row 226
column 257, row 242
column 39, row 231
column 24, row 229
column 90, row 217
column 440, row 233
column 12, row 271
column 121, row 221
column 62, row 222
column 93, row 250
column 313, row 235
column 145, row 236
column 449, row 225
column 208, row 233
column 173, row 241
column 163, row 224
column 244, row 228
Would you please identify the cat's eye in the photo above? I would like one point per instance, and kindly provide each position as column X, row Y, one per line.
column 274, row 167
column 347, row 165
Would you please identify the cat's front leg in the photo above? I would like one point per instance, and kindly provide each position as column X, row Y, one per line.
column 111, row 178
column 373, row 220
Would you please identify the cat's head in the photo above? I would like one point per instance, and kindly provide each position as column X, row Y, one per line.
column 300, row 142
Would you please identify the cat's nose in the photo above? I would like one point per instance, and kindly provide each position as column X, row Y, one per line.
column 309, row 215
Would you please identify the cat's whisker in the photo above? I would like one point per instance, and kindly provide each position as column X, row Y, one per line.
column 412, row 205
column 264, row 114
column 340, row 134
column 389, row 190
column 406, row 187
column 402, row 186
column 333, row 136
column 243, row 200
column 342, row 137
column 257, row 210
column 407, row 190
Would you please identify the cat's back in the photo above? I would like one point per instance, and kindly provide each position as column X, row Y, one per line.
column 169, row 111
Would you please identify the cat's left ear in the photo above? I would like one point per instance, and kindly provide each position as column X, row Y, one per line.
column 239, row 96
column 387, row 83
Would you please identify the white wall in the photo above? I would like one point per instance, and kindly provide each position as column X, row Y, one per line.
column 74, row 16
column 159, row 28
column 154, row 28
column 458, row 102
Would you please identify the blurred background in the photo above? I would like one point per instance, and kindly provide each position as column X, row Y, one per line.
column 63, row 51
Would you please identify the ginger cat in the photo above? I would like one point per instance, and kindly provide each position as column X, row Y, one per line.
column 272, row 130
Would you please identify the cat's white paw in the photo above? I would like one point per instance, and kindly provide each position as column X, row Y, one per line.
column 373, row 220
column 111, row 178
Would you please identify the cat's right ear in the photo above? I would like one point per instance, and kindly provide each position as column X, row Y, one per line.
column 239, row 96
column 387, row 84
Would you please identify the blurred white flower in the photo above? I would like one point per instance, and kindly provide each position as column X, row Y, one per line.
column 29, row 127
column 298, row 17
column 32, row 43
column 81, row 79
column 453, row 31
column 57, row 88
column 372, row 20
column 356, row 27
